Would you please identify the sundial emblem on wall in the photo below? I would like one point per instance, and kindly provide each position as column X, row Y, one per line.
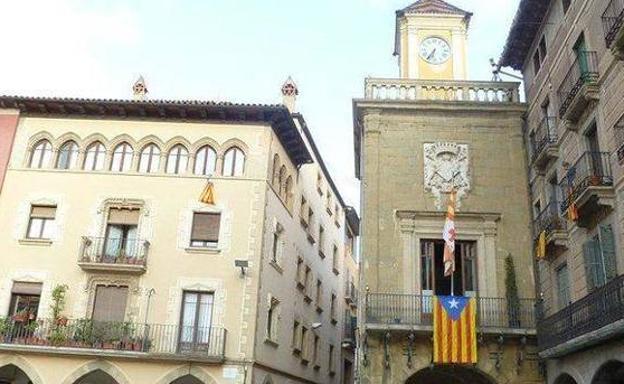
column 446, row 169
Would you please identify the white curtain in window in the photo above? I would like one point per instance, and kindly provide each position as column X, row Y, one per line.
column 189, row 312
column 205, row 161
column 41, row 155
column 122, row 158
column 95, row 156
column 113, row 242
column 150, row 159
column 68, row 156
column 177, row 160
column 233, row 162
column 205, row 319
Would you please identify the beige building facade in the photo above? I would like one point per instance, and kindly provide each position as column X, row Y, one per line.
column 163, row 241
column 417, row 139
column 570, row 53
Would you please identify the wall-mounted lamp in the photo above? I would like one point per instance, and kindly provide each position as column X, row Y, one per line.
column 243, row 265
column 317, row 325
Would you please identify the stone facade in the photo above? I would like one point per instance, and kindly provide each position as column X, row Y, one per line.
column 8, row 124
column 566, row 126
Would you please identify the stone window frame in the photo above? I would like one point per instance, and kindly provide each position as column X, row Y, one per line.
column 186, row 226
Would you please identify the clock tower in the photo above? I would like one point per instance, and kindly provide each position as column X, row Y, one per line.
column 431, row 39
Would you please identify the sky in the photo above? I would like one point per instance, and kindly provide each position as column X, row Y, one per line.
column 226, row 50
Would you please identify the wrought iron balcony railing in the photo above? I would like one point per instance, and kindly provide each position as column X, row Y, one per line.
column 545, row 135
column 549, row 220
column 150, row 339
column 351, row 292
column 598, row 309
column 447, row 90
column 592, row 169
column 613, row 20
column 584, row 70
column 350, row 324
column 417, row 310
column 109, row 250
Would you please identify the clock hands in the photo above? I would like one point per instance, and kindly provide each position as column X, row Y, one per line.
column 431, row 54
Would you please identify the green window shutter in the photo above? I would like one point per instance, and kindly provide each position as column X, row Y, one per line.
column 589, row 250
column 607, row 243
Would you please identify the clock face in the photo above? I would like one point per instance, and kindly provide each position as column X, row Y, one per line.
column 435, row 50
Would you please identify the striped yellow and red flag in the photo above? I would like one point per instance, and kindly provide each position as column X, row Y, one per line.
column 454, row 330
column 449, row 236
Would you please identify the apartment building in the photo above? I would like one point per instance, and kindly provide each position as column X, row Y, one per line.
column 148, row 241
column 570, row 53
column 8, row 124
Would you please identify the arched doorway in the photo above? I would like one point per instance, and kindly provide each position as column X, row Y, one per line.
column 610, row 373
column 188, row 379
column 96, row 377
column 11, row 374
column 449, row 375
column 565, row 379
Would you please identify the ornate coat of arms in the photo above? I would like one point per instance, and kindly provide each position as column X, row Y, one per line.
column 446, row 169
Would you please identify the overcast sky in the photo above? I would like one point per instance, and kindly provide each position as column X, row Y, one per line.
column 234, row 50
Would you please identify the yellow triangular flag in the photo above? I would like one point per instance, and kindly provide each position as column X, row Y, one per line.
column 541, row 245
column 208, row 196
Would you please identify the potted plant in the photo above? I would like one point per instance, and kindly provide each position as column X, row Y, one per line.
column 5, row 328
column 31, row 328
column 20, row 316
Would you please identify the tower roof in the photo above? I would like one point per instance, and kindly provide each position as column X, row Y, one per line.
column 435, row 7
column 432, row 7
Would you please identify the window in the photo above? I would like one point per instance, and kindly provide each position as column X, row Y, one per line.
column 288, row 192
column 319, row 293
column 332, row 308
column 563, row 286
column 272, row 319
column 315, row 351
column 41, row 155
column 281, row 182
column 68, row 156
column 329, row 203
column 196, row 320
column 177, row 160
column 110, row 303
column 150, row 159
column 205, row 231
column 427, row 250
column 205, row 161
column 274, row 179
column 542, row 48
column 332, row 369
column 303, row 212
column 536, row 62
column 122, row 158
column 306, row 277
column 566, row 5
column 41, row 223
column 299, row 277
column 321, row 241
column 24, row 304
column 95, row 156
column 233, row 162
column 296, row 341
column 599, row 256
column 618, row 130
column 121, row 234
column 335, row 259
column 276, row 250
column 468, row 254
column 319, row 183
column 304, row 342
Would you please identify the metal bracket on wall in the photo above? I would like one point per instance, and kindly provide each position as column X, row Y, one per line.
column 520, row 354
column 386, row 350
column 365, row 350
column 410, row 349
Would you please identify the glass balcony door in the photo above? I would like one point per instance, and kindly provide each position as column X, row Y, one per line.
column 196, row 321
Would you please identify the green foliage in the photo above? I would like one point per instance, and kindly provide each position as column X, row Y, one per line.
column 58, row 300
column 5, row 325
column 511, row 289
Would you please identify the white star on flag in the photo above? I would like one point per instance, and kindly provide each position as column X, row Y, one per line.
column 454, row 304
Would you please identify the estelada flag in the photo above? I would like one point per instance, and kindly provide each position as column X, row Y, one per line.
column 454, row 330
column 207, row 196
column 449, row 237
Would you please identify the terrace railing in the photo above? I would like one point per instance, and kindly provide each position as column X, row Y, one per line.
column 417, row 310
column 613, row 20
column 584, row 70
column 549, row 220
column 592, row 169
column 152, row 339
column 545, row 135
column 109, row 250
column 447, row 90
column 599, row 308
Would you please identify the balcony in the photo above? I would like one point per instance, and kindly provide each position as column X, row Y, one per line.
column 579, row 87
column 553, row 225
column 101, row 254
column 613, row 23
column 411, row 312
column 351, row 293
column 595, row 318
column 447, row 90
column 348, row 332
column 588, row 184
column 544, row 143
column 86, row 337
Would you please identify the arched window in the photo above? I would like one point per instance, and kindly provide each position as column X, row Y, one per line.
column 41, row 154
column 276, row 161
column 233, row 162
column 94, row 157
column 281, row 180
column 288, row 191
column 150, row 159
column 68, row 155
column 205, row 161
column 122, row 158
column 177, row 159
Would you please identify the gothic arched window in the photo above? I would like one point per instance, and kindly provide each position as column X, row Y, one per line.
column 122, row 157
column 41, row 154
column 94, row 157
column 149, row 161
column 205, row 161
column 177, row 160
column 233, row 162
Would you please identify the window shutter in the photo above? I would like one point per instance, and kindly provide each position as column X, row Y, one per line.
column 110, row 303
column 43, row 212
column 607, row 244
column 26, row 288
column 206, row 226
column 589, row 250
column 123, row 216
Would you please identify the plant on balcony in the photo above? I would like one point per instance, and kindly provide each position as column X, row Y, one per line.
column 5, row 328
column 58, row 333
column 84, row 335
column 511, row 291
